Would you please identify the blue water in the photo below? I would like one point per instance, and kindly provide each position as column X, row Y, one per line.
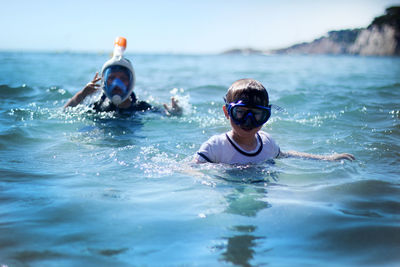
column 81, row 189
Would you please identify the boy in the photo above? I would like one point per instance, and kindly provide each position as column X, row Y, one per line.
column 247, row 108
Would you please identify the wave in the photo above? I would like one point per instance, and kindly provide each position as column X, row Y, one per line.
column 293, row 99
column 380, row 240
column 17, row 136
column 388, row 86
column 25, row 94
column 23, row 90
column 9, row 174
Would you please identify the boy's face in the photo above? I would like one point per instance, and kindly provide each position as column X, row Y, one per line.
column 247, row 116
column 240, row 130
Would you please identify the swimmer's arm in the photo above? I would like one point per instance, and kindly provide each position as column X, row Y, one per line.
column 332, row 157
column 89, row 89
column 76, row 99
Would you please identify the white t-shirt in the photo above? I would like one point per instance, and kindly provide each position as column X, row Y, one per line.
column 223, row 149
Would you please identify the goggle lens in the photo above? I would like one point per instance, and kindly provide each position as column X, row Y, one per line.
column 240, row 113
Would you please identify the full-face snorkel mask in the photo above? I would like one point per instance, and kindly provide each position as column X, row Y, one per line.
column 118, row 79
column 248, row 116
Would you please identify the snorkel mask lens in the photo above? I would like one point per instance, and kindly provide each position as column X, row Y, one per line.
column 117, row 82
column 248, row 116
column 117, row 89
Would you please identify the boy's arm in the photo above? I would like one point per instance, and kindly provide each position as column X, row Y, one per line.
column 89, row 89
column 332, row 157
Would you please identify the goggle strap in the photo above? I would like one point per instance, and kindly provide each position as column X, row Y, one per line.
column 278, row 108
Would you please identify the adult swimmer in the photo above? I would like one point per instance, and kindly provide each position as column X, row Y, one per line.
column 117, row 81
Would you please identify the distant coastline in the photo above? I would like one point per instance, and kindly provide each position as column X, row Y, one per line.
column 380, row 38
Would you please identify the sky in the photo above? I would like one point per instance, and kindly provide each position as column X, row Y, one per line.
column 177, row 26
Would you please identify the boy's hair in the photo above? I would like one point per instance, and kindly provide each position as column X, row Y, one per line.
column 250, row 91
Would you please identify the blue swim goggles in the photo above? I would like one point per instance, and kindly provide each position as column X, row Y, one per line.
column 250, row 116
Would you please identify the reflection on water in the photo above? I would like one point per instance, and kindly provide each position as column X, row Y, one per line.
column 264, row 173
column 244, row 201
column 247, row 201
column 247, row 193
column 240, row 248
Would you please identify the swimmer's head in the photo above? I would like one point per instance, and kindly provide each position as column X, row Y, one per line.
column 247, row 104
column 249, row 91
column 118, row 79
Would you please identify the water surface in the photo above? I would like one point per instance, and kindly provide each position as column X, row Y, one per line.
column 81, row 189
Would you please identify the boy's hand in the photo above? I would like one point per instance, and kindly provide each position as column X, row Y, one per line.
column 342, row 156
column 174, row 110
column 92, row 86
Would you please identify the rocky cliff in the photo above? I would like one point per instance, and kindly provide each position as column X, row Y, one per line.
column 381, row 38
column 336, row 42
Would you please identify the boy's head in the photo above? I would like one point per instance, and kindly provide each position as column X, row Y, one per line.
column 250, row 91
column 247, row 104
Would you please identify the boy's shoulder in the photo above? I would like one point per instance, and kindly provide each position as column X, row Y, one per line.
column 269, row 142
column 264, row 134
column 218, row 138
column 213, row 149
column 266, row 137
column 215, row 142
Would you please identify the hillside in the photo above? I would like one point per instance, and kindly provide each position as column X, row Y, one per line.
column 380, row 38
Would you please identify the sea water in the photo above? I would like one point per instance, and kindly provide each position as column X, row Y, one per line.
column 84, row 189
